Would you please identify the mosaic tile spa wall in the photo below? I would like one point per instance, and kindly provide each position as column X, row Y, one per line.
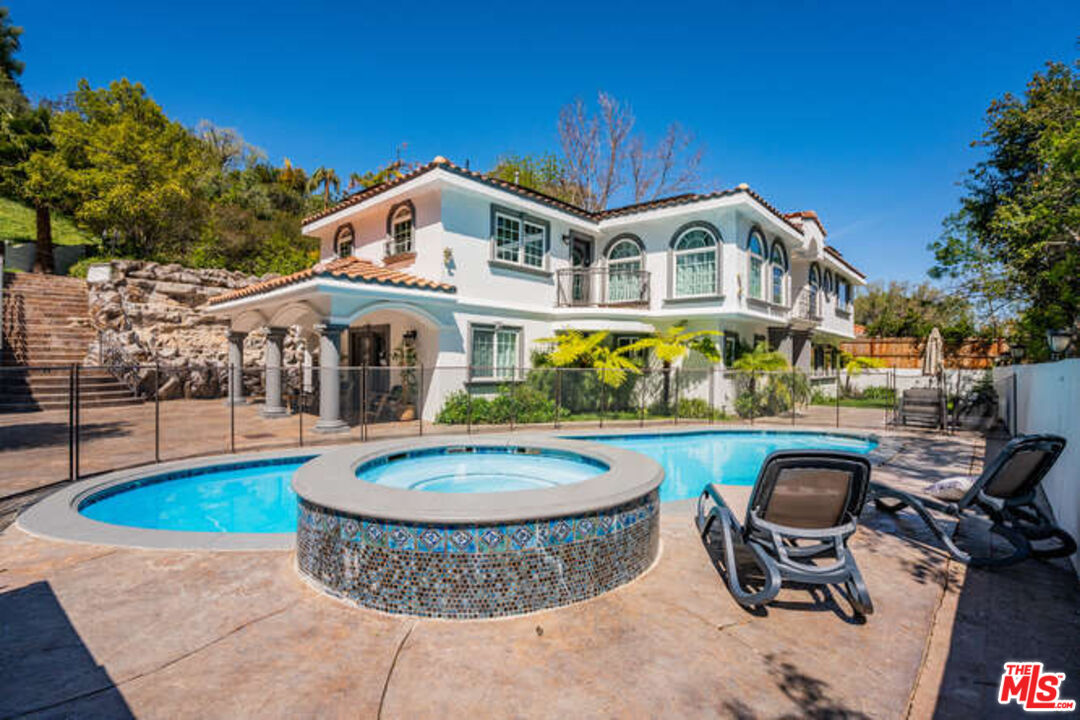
column 476, row 571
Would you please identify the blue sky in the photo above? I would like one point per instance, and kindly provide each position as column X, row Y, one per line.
column 861, row 111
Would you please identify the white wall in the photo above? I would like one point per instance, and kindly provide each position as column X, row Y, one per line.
column 1048, row 401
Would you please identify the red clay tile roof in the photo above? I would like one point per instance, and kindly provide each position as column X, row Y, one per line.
column 798, row 217
column 444, row 164
column 840, row 258
column 348, row 268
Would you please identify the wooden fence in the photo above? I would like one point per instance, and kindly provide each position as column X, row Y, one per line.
column 908, row 352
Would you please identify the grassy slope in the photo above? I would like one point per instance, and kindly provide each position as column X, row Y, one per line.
column 17, row 223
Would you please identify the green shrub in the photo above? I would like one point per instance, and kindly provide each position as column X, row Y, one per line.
column 878, row 392
column 694, row 409
column 456, row 410
column 514, row 403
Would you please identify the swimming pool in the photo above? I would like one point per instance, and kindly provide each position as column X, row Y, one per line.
column 257, row 497
column 691, row 460
column 226, row 498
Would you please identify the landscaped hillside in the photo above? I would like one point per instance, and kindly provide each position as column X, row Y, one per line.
column 17, row 224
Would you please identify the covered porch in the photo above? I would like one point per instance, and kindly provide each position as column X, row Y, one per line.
column 364, row 336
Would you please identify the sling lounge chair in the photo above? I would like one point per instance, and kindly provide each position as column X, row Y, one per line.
column 1005, row 492
column 804, row 505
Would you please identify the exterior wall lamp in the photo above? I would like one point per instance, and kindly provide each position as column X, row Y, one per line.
column 1059, row 341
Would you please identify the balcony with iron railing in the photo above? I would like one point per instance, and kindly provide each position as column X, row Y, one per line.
column 808, row 306
column 602, row 287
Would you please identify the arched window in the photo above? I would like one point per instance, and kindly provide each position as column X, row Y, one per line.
column 624, row 272
column 401, row 230
column 694, row 254
column 755, row 246
column 779, row 263
column 344, row 240
column 828, row 283
column 814, row 283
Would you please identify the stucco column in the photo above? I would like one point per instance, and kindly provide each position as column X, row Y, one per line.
column 330, row 379
column 801, row 350
column 275, row 344
column 236, row 367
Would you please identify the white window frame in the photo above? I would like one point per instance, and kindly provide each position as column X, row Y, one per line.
column 339, row 242
column 495, row 373
column 529, row 230
column 613, row 266
column 398, row 246
column 829, row 282
column 676, row 253
column 764, row 258
column 784, row 278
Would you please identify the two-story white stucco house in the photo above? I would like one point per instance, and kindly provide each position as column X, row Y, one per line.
column 471, row 271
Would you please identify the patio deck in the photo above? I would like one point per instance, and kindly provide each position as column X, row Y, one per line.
column 99, row 631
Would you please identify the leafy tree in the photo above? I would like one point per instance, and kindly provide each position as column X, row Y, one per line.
column 11, row 93
column 328, row 178
column 359, row 181
column 135, row 174
column 672, row 344
column 902, row 310
column 1015, row 241
column 544, row 173
column 781, row 390
column 575, row 349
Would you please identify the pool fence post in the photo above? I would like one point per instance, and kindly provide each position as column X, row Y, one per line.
column 712, row 394
column 157, row 411
column 558, row 395
column 420, row 398
column 603, row 396
column 837, row 393
column 71, row 423
column 675, row 405
column 644, row 390
column 793, row 396
column 468, row 403
column 363, row 400
column 514, row 395
column 232, row 408
column 300, row 401
column 78, row 422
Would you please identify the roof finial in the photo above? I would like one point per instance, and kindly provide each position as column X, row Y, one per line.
column 742, row 186
column 440, row 160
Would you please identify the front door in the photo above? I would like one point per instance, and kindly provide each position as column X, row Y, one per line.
column 369, row 356
column 581, row 258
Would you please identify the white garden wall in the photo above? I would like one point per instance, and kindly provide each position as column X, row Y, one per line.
column 1047, row 399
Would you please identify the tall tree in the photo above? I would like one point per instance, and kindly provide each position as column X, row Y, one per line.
column 672, row 344
column 11, row 93
column 602, row 159
column 1015, row 241
column 25, row 133
column 371, row 178
column 544, row 173
column 135, row 174
column 328, row 178
column 902, row 310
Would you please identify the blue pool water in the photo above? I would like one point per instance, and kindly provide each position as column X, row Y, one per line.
column 480, row 472
column 226, row 498
column 258, row 498
column 693, row 460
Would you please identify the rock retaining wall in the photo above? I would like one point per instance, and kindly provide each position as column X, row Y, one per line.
column 147, row 313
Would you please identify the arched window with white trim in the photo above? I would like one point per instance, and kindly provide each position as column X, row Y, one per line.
column 814, row 286
column 401, row 231
column 624, row 266
column 344, row 240
column 755, row 248
column 695, row 265
column 779, row 263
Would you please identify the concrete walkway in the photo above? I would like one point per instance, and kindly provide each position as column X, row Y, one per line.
column 97, row 631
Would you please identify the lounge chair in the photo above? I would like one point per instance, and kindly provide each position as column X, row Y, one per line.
column 804, row 505
column 1005, row 492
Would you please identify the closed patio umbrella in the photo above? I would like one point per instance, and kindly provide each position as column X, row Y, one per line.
column 934, row 354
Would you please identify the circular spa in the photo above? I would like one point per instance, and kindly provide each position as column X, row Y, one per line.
column 476, row 530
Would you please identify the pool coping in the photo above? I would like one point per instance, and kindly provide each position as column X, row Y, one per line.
column 56, row 517
column 329, row 481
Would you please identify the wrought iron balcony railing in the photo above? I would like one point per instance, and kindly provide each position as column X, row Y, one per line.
column 601, row 287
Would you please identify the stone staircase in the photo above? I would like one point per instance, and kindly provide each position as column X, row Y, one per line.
column 46, row 331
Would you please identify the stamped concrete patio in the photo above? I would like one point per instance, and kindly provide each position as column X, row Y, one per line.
column 98, row 631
